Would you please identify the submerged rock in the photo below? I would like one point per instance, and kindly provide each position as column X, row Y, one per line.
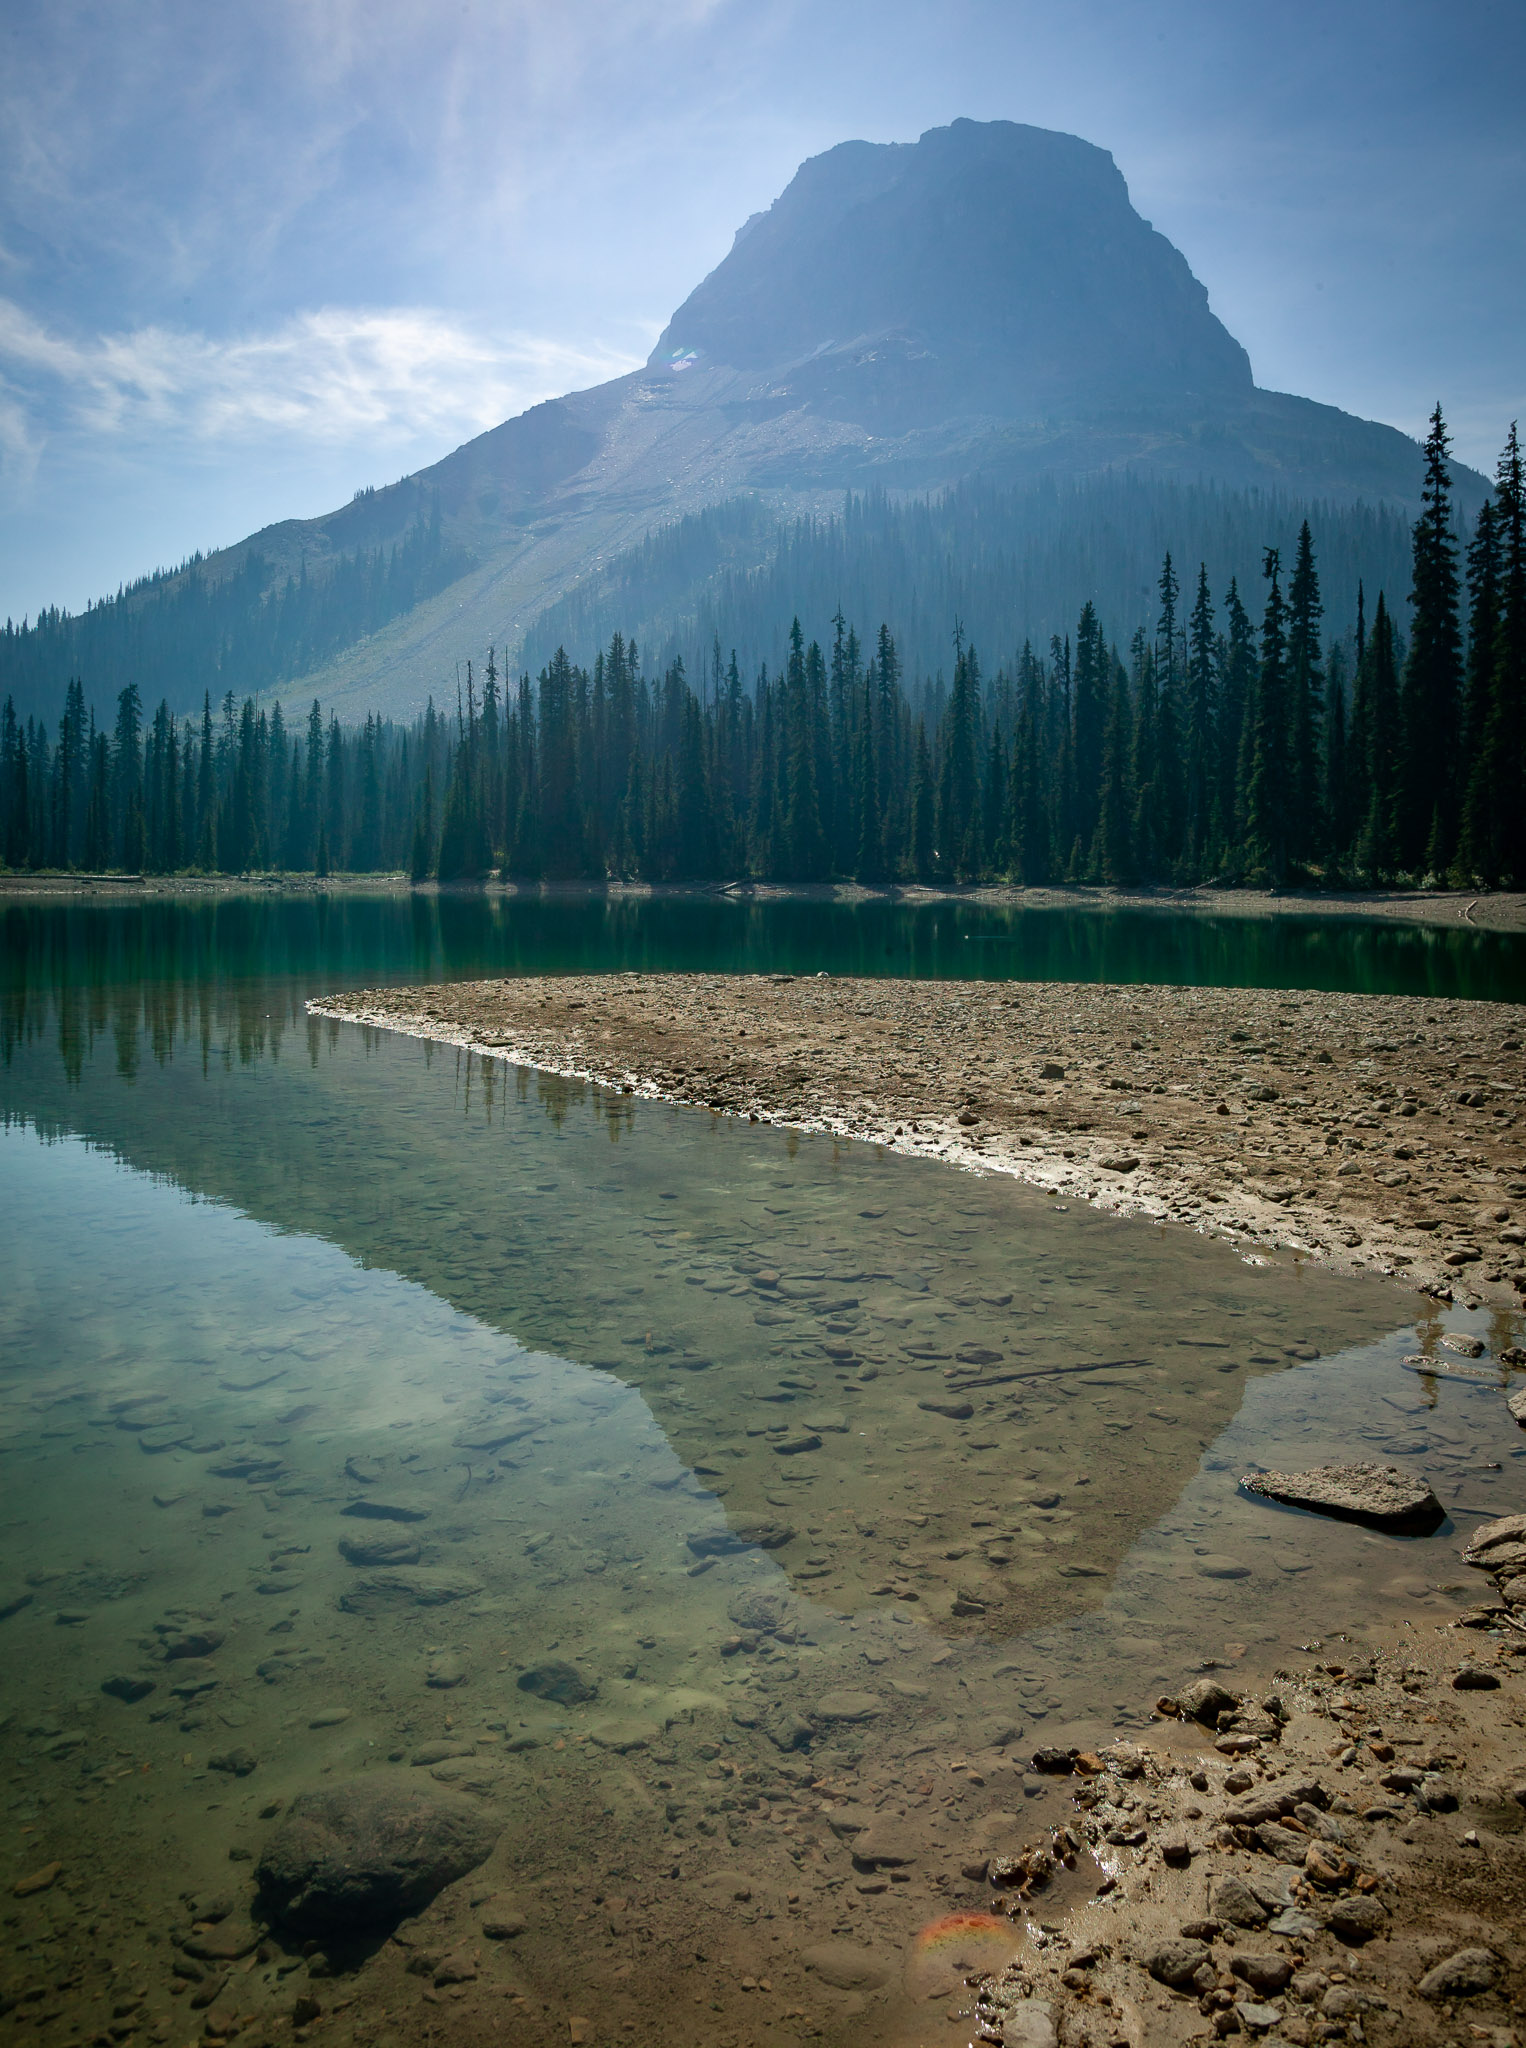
column 362, row 1855
column 391, row 1507
column 847, row 1706
column 765, row 1611
column 379, row 1550
column 127, row 1688
column 559, row 1682
column 380, row 1592
column 1382, row 1494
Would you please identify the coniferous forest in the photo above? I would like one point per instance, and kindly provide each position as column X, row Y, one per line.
column 1246, row 738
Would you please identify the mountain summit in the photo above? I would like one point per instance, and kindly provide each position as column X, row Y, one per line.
column 988, row 268
column 984, row 303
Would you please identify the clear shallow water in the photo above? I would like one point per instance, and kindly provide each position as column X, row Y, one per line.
column 574, row 1328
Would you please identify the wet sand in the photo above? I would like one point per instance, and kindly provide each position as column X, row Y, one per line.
column 1373, row 1133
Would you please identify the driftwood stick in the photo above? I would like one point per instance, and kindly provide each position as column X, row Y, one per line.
column 1044, row 1372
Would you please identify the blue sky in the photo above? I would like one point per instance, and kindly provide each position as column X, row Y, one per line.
column 254, row 256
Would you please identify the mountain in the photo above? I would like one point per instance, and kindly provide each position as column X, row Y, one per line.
column 983, row 304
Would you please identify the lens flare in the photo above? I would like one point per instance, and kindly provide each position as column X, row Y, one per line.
column 959, row 1945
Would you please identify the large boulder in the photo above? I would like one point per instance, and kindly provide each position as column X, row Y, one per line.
column 1380, row 1494
column 363, row 1854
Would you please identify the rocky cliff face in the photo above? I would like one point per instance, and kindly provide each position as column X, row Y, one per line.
column 988, row 268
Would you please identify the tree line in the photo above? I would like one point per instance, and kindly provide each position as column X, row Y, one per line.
column 246, row 631
column 1236, row 741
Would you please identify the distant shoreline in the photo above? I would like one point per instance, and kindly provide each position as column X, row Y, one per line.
column 1456, row 908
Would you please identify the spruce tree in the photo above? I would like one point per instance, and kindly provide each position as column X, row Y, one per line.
column 1378, row 852
column 1201, row 778
column 1270, row 791
column 1506, row 740
column 1428, row 792
column 1305, row 690
column 1478, row 857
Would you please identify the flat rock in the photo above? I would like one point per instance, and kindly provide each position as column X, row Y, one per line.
column 1381, row 1494
column 385, row 1507
column 382, row 1592
column 198, row 1642
column 363, row 1854
column 1516, row 1403
column 884, row 1845
column 1217, row 1566
column 124, row 1686
column 247, row 1465
column 12, row 1600
column 329, row 1717
column 1467, row 1974
column 955, row 1410
column 801, row 1440
column 379, row 1550
column 42, row 1880
column 845, row 1966
column 442, row 1752
column 847, row 1706
column 561, row 1683
column 1502, row 1538
column 766, row 1535
column 624, row 1736
column 227, row 1942
column 446, row 1671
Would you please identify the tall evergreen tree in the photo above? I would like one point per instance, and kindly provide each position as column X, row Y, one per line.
column 1270, row 791
column 1432, row 686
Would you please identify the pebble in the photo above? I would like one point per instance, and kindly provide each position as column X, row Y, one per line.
column 37, row 1881
column 329, row 1717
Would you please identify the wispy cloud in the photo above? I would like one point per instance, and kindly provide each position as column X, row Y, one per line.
column 339, row 374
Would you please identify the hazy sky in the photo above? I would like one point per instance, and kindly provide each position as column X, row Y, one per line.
column 255, row 255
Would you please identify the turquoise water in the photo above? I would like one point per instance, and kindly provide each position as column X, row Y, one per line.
column 422, row 937
column 777, row 1441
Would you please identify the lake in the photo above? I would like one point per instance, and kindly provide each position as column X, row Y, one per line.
column 728, row 1515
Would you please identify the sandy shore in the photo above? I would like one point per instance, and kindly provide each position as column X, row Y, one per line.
column 1370, row 1132
column 1456, row 908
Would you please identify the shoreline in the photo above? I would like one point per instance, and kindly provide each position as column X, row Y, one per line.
column 1349, row 1141
column 1455, row 909
column 1323, row 1850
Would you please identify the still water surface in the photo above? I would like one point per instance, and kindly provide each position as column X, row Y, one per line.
column 775, row 1442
